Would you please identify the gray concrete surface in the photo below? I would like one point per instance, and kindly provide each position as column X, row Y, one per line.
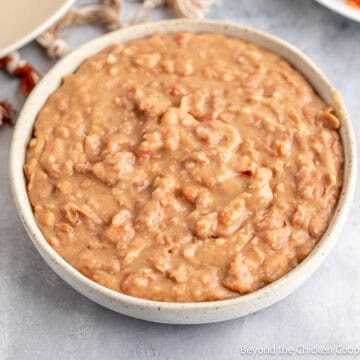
column 41, row 317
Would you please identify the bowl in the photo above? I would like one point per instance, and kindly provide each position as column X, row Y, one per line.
column 167, row 312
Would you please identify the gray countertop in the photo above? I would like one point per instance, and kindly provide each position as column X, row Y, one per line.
column 41, row 317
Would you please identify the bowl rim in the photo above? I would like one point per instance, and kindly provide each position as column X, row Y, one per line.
column 18, row 185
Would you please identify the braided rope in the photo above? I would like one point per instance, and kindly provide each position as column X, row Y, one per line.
column 108, row 15
column 144, row 11
column 191, row 8
column 182, row 8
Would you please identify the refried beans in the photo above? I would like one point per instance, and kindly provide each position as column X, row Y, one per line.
column 184, row 167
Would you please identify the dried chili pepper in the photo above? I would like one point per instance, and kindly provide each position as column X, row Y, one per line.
column 6, row 114
column 14, row 65
column 23, row 70
column 28, row 80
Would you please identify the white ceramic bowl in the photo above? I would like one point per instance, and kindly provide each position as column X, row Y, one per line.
column 165, row 312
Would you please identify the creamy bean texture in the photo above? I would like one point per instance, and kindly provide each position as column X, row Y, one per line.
column 184, row 167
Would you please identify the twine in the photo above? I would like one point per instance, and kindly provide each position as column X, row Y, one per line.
column 108, row 14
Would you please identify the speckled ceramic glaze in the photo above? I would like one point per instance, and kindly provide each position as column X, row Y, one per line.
column 180, row 313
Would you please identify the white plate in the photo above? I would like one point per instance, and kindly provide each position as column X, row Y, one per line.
column 22, row 20
column 342, row 8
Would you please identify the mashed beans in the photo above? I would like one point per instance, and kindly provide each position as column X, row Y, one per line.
column 184, row 167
